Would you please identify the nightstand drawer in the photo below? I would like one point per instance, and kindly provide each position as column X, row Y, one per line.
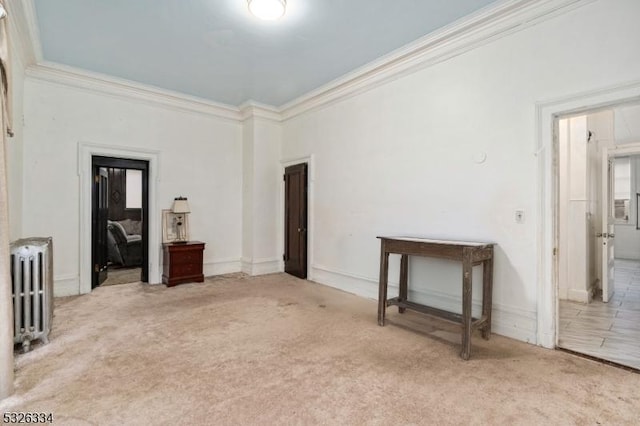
column 183, row 263
column 186, row 269
column 182, row 257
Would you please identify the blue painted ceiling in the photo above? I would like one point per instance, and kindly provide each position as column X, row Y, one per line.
column 215, row 49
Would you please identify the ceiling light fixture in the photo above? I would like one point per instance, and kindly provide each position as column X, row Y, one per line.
column 269, row 10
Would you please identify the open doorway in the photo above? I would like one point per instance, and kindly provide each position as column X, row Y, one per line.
column 120, row 214
column 598, row 233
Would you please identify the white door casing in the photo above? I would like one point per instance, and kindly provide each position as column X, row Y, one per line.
column 607, row 230
column 86, row 151
column 547, row 112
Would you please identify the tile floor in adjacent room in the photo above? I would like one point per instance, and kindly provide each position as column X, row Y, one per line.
column 610, row 331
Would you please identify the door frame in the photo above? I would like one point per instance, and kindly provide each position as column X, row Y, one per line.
column 546, row 151
column 96, row 251
column 86, row 151
column 293, row 219
column 98, row 161
column 309, row 160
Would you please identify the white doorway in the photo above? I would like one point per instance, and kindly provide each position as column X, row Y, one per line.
column 598, row 233
column 86, row 151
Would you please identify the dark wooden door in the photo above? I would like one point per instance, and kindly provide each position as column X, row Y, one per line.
column 123, row 163
column 295, row 229
column 99, row 228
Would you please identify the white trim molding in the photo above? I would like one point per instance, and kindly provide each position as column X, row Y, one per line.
column 547, row 112
column 100, row 83
column 508, row 321
column 86, row 151
column 255, row 267
column 221, row 267
column 491, row 23
column 580, row 296
column 252, row 109
column 66, row 285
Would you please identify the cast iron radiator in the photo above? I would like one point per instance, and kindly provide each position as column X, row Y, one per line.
column 32, row 278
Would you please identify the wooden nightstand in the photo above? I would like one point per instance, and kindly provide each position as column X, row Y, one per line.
column 182, row 263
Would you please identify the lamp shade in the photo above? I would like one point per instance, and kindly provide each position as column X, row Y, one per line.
column 180, row 205
column 268, row 10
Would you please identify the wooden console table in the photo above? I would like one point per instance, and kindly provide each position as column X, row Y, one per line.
column 182, row 263
column 470, row 253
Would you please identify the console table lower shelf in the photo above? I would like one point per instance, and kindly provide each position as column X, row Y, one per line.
column 182, row 263
column 470, row 253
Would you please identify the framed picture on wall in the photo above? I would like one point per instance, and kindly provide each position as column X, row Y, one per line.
column 169, row 231
column 175, row 227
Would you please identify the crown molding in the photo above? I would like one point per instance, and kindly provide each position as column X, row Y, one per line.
column 100, row 83
column 491, row 23
column 253, row 109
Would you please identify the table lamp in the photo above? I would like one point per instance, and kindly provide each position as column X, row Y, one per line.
column 180, row 209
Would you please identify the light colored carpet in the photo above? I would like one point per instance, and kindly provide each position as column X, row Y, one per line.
column 278, row 350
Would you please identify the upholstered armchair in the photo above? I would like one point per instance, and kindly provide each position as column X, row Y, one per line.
column 124, row 249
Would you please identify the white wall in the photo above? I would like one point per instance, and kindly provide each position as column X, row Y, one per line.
column 577, row 203
column 267, row 181
column 627, row 240
column 260, row 187
column 627, row 123
column 200, row 158
column 398, row 159
column 627, row 130
column 15, row 144
column 248, row 154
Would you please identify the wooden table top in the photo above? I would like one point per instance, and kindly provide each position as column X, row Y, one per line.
column 434, row 241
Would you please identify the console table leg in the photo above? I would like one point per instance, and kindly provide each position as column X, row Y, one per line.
column 404, row 278
column 487, row 292
column 382, row 288
column 467, row 273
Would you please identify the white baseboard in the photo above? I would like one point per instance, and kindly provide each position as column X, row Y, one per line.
column 246, row 266
column 261, row 266
column 507, row 321
column 547, row 340
column 67, row 285
column 580, row 296
column 360, row 285
column 222, row 266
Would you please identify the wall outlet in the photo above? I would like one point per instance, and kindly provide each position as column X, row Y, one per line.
column 519, row 216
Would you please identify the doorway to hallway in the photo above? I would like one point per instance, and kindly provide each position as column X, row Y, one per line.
column 598, row 234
